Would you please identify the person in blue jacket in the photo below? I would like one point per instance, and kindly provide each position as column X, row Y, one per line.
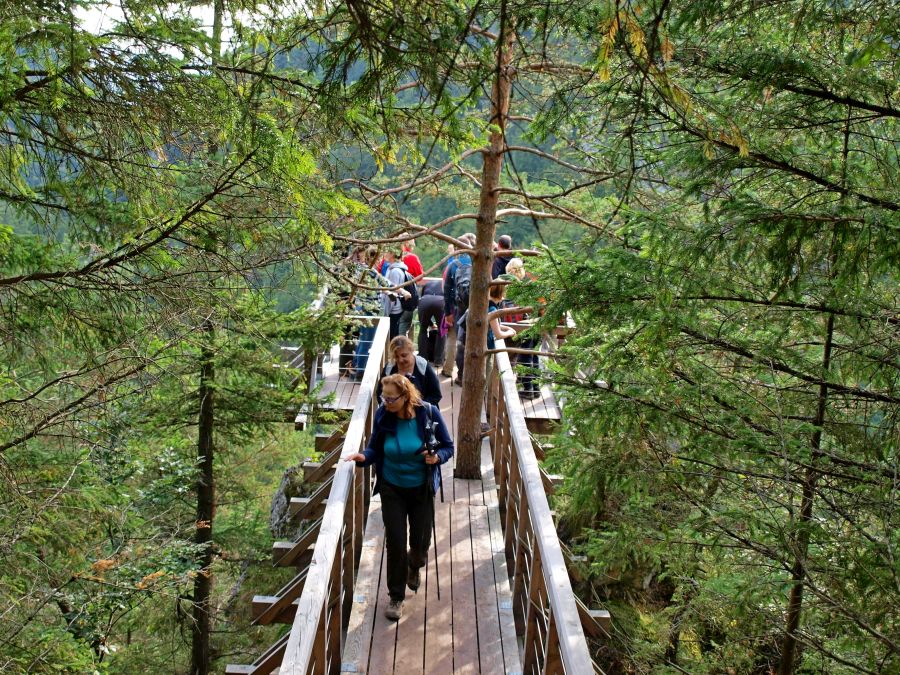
column 405, row 362
column 407, row 477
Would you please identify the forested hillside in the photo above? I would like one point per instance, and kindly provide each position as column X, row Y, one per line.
column 712, row 190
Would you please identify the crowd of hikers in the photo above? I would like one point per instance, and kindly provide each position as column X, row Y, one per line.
column 390, row 282
column 410, row 439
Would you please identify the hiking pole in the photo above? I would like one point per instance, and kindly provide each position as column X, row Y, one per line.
column 437, row 580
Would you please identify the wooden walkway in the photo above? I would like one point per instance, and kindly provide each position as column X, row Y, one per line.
column 471, row 628
column 506, row 603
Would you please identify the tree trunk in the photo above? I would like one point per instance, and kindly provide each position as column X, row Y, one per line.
column 206, row 487
column 468, row 462
column 798, row 570
column 206, row 501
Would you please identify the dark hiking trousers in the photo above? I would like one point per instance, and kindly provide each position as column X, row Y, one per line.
column 401, row 506
column 431, row 315
column 395, row 324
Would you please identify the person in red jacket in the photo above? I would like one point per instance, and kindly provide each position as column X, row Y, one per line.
column 413, row 264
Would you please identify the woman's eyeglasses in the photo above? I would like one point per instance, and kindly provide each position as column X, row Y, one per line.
column 388, row 400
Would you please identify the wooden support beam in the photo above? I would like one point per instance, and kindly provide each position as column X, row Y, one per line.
column 264, row 603
column 288, row 353
column 551, row 481
column 265, row 664
column 281, row 607
column 306, row 508
column 285, row 553
column 542, row 426
column 302, row 418
column 315, row 472
column 595, row 622
column 325, row 443
column 575, row 564
column 318, row 472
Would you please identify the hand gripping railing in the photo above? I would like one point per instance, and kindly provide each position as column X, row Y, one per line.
column 544, row 604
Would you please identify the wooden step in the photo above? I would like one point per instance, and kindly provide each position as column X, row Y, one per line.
column 264, row 603
column 307, row 507
column 266, row 663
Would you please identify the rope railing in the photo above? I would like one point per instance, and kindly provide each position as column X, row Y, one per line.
column 544, row 605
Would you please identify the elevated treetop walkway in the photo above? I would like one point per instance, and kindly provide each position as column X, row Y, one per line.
column 496, row 598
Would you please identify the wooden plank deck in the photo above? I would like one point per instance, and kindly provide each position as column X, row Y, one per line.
column 471, row 628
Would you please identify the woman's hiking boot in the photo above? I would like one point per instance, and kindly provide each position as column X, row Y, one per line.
column 394, row 610
column 414, row 578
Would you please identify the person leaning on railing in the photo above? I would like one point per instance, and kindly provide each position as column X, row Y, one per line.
column 409, row 442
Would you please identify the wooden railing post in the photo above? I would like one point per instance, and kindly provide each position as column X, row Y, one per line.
column 532, row 654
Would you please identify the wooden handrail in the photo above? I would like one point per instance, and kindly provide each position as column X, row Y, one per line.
column 544, row 603
column 323, row 609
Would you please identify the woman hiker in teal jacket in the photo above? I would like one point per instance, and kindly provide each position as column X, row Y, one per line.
column 407, row 476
